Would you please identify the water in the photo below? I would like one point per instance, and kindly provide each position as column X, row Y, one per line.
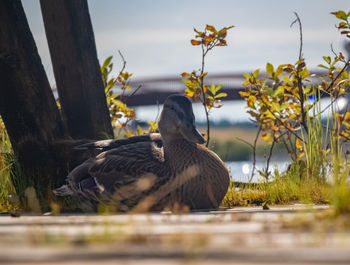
column 232, row 111
column 241, row 170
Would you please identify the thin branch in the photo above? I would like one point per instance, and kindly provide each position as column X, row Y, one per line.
column 254, row 154
column 332, row 50
column 158, row 111
column 332, row 84
column 282, row 123
column 124, row 62
column 289, row 151
column 300, row 83
column 300, row 32
column 133, row 93
column 203, row 95
column 122, row 70
column 338, row 75
column 267, row 173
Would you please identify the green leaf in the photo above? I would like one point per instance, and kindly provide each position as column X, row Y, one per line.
column 218, row 87
column 230, row 27
column 307, row 89
column 340, row 14
column 304, row 73
column 269, row 69
column 221, row 95
column 198, row 32
column 212, row 89
column 222, row 33
column 327, row 59
column 107, row 62
column 256, row 73
column 279, row 91
column 322, row 66
column 279, row 71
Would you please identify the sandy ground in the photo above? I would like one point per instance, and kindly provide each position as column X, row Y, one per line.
column 249, row 235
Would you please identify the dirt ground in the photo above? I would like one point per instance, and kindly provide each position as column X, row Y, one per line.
column 249, row 235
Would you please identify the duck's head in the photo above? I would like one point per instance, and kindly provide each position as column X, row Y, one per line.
column 177, row 120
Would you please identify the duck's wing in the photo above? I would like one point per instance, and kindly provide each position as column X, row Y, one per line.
column 124, row 173
column 106, row 145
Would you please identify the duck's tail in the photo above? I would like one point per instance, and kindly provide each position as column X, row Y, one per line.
column 64, row 190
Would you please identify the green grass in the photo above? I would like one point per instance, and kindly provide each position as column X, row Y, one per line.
column 320, row 175
column 8, row 199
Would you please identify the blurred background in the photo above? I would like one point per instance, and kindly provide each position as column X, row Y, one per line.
column 154, row 37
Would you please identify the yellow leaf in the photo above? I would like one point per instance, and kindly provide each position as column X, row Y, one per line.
column 189, row 93
column 251, row 101
column 139, row 130
column 286, row 78
column 153, row 127
column 299, row 144
column 267, row 137
column 210, row 28
column 184, row 74
column 347, row 116
column 244, row 94
column 245, row 83
column 130, row 134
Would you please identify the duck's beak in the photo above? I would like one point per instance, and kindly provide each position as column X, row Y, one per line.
column 191, row 134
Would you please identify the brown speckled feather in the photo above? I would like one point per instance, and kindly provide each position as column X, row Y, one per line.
column 155, row 171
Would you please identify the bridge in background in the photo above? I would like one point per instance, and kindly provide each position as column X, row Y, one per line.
column 156, row 90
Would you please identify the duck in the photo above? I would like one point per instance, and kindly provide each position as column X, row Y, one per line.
column 152, row 172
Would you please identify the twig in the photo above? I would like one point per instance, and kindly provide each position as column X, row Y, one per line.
column 287, row 147
column 124, row 62
column 300, row 83
column 337, row 76
column 203, row 94
column 158, row 111
column 332, row 84
column 122, row 70
column 267, row 173
column 282, row 123
column 301, row 33
column 254, row 154
column 133, row 93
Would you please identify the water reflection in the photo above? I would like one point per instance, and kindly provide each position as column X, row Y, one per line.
column 241, row 170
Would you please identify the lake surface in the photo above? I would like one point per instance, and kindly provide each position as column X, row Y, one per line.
column 241, row 170
column 233, row 111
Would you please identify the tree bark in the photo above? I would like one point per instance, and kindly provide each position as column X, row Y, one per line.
column 27, row 105
column 77, row 72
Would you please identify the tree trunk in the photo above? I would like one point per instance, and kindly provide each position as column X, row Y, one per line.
column 27, row 105
column 76, row 68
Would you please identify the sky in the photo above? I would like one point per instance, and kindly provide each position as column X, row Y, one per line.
column 154, row 36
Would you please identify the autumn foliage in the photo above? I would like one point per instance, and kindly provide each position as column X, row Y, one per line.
column 285, row 103
column 196, row 89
